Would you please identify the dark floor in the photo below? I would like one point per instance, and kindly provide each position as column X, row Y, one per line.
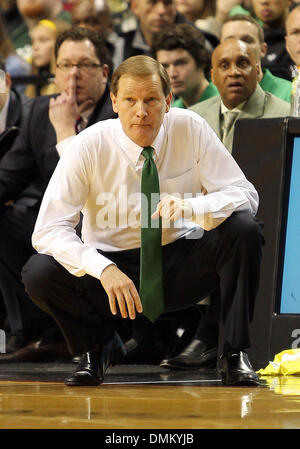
column 119, row 374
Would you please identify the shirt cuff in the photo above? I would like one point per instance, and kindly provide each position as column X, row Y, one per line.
column 95, row 263
column 198, row 206
column 64, row 144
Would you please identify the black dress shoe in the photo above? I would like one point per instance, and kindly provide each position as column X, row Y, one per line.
column 236, row 369
column 35, row 351
column 93, row 365
column 195, row 355
column 19, row 339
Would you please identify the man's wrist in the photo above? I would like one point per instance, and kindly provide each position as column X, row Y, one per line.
column 64, row 133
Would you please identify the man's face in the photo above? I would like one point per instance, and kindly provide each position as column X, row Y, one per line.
column 35, row 8
column 141, row 105
column 90, row 84
column 181, row 68
column 190, row 7
column 269, row 11
column 43, row 41
column 154, row 15
column 246, row 32
column 234, row 72
column 6, row 5
column 293, row 36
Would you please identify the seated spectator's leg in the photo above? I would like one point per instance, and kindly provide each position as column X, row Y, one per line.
column 228, row 256
column 24, row 318
column 231, row 256
column 238, row 266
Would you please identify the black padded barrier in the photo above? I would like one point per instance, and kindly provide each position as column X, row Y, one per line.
column 263, row 149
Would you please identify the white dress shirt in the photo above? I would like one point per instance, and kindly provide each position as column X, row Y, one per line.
column 100, row 175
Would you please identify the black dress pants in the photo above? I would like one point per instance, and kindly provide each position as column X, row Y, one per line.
column 227, row 258
column 16, row 224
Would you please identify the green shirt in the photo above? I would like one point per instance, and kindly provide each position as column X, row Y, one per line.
column 238, row 9
column 210, row 91
column 279, row 87
column 20, row 36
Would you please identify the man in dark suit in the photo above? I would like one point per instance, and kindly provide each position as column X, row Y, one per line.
column 14, row 107
column 82, row 76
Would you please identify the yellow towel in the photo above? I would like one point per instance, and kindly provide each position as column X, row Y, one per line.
column 285, row 363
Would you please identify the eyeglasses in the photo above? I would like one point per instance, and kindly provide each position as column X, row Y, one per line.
column 86, row 67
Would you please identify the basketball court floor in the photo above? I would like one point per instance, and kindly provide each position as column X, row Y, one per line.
column 33, row 396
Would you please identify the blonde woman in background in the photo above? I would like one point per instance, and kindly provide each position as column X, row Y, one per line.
column 43, row 36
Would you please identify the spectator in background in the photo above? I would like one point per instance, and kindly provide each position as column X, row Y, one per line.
column 15, row 65
column 225, row 8
column 32, row 11
column 43, row 36
column 202, row 13
column 91, row 14
column 196, row 9
column 152, row 16
column 81, row 74
column 292, row 38
column 12, row 19
column 181, row 50
column 247, row 29
column 293, row 4
column 235, row 72
column 14, row 108
column 273, row 13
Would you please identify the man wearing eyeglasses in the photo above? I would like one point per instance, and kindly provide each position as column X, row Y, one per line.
column 82, row 77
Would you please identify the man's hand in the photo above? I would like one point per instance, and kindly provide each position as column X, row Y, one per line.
column 223, row 7
column 120, row 290
column 63, row 111
column 171, row 208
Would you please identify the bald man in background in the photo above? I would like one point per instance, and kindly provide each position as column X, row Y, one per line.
column 235, row 72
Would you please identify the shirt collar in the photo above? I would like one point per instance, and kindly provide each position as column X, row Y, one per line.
column 133, row 151
column 238, row 108
column 86, row 114
column 139, row 41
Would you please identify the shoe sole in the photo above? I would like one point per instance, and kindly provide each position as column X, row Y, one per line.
column 167, row 365
column 239, row 381
column 92, row 383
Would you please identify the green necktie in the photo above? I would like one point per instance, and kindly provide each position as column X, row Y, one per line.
column 151, row 268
